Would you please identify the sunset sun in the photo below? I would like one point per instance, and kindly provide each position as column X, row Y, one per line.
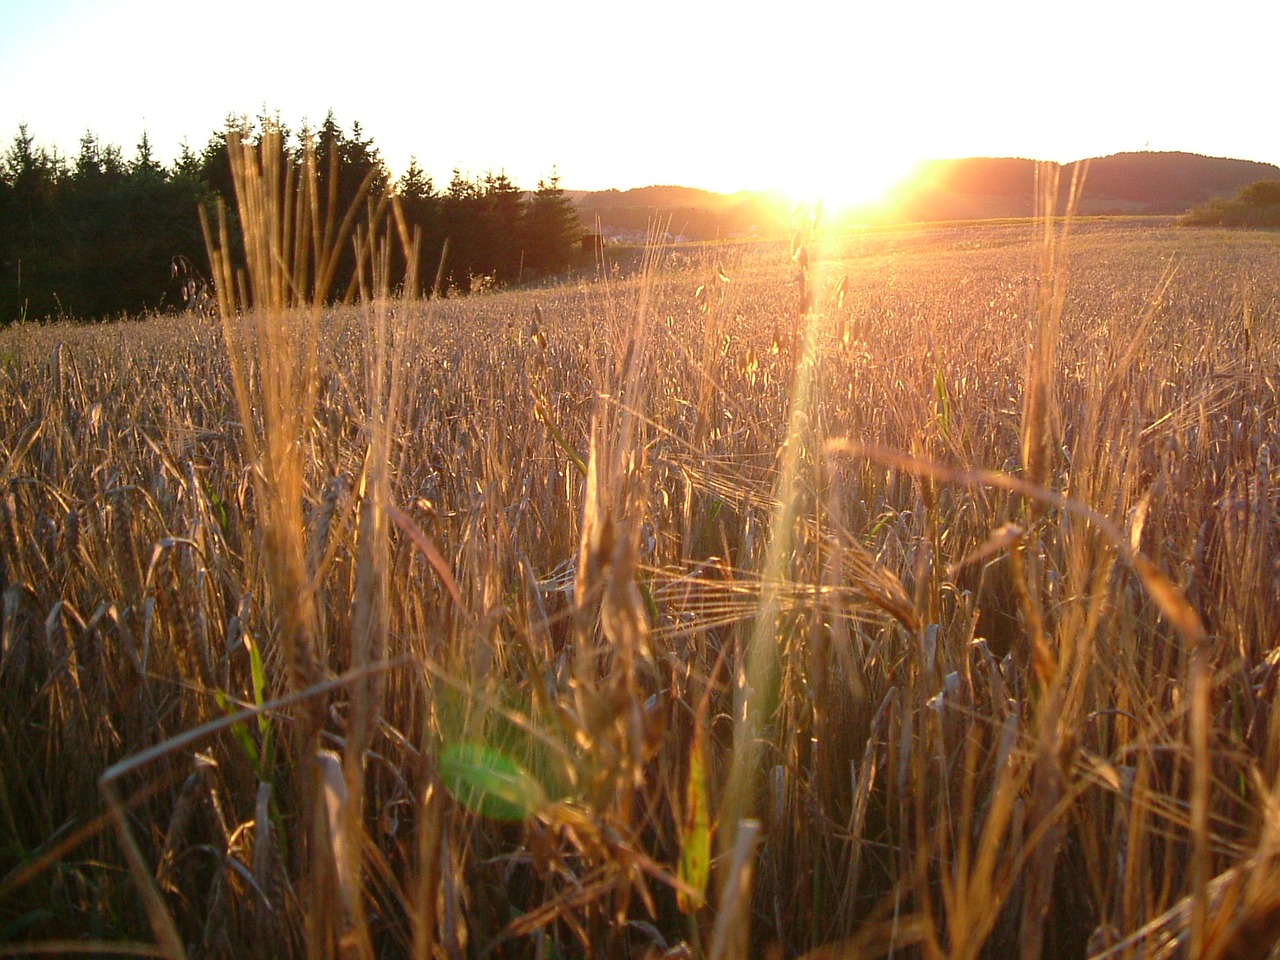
column 862, row 184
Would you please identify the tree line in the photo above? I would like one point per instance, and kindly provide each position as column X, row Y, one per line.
column 95, row 235
column 1256, row 205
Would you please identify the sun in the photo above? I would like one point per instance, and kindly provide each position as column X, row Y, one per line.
column 864, row 185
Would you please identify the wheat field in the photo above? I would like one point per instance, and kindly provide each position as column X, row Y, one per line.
column 915, row 595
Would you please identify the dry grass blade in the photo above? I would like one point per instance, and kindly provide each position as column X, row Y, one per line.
column 1242, row 919
column 429, row 551
column 1171, row 601
column 731, row 936
column 336, row 803
column 169, row 941
column 873, row 582
column 1001, row 539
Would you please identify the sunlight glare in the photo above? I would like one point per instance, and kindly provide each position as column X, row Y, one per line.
column 863, row 186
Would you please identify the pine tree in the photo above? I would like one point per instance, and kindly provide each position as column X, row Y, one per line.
column 144, row 161
column 461, row 224
column 503, row 213
column 187, row 164
column 415, row 186
column 421, row 207
column 28, row 169
column 551, row 227
column 215, row 161
column 28, row 233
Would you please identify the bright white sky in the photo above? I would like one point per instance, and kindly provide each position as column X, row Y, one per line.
column 807, row 96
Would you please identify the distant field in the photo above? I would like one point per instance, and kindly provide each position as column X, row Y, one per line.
column 986, row 647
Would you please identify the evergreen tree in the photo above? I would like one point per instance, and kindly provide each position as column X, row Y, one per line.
column 552, row 230
column 361, row 159
column 89, row 160
column 91, row 214
column 9, row 309
column 30, row 170
column 160, row 219
column 215, row 159
column 504, row 211
column 144, row 161
column 92, row 238
column 28, row 232
column 187, row 164
column 113, row 166
column 343, row 165
column 414, row 186
column 461, row 225
column 421, row 207
column 356, row 159
column 96, row 236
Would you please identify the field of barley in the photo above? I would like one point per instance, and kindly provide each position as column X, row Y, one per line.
column 913, row 595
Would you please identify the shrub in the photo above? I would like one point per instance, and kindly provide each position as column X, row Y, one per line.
column 1257, row 205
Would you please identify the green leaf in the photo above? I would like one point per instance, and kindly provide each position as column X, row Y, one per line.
column 240, row 731
column 655, row 616
column 695, row 830
column 541, row 413
column 490, row 783
column 942, row 400
column 259, row 673
column 219, row 507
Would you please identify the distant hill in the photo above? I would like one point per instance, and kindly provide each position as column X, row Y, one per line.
column 1123, row 183
column 977, row 188
column 1147, row 183
column 1169, row 182
column 681, row 212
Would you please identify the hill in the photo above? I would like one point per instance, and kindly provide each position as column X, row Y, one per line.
column 1123, row 183
column 976, row 188
column 684, row 213
column 1162, row 183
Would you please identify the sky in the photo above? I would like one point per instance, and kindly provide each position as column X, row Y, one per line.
column 833, row 98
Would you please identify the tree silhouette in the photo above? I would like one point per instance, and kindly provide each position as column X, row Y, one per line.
column 96, row 236
column 1256, row 205
column 552, row 229
column 349, row 168
column 503, row 212
column 421, row 207
column 28, row 233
